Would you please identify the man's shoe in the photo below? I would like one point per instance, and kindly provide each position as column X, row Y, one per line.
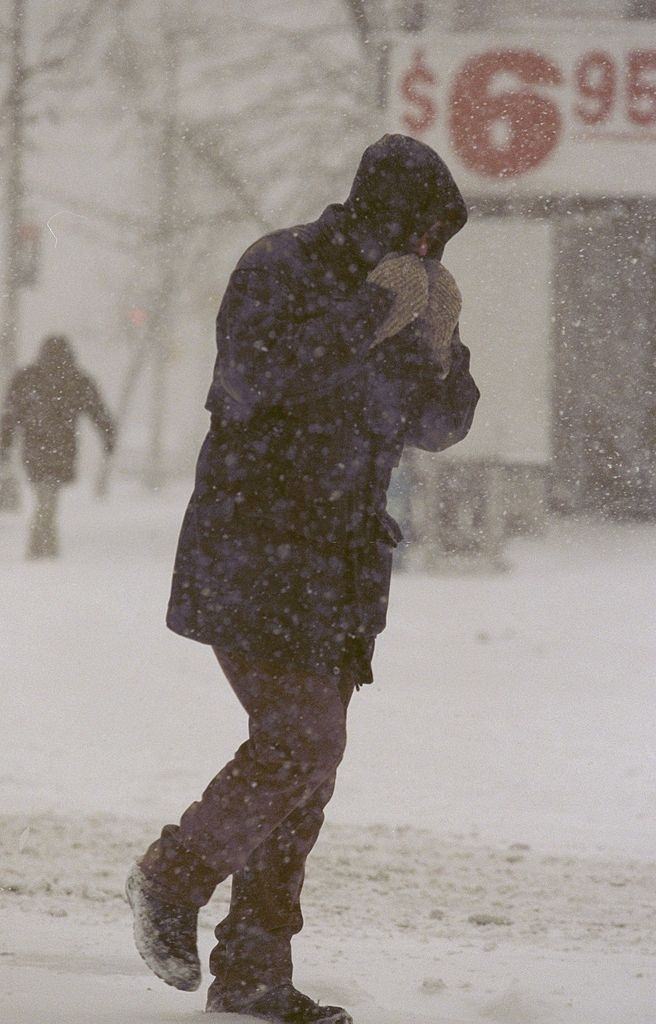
column 164, row 933
column 283, row 1005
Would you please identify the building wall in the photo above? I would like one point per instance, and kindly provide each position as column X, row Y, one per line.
column 476, row 14
column 593, row 294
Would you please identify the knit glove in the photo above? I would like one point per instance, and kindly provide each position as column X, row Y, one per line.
column 439, row 319
column 406, row 278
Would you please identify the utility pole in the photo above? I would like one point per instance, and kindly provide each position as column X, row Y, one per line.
column 159, row 342
column 13, row 195
column 369, row 21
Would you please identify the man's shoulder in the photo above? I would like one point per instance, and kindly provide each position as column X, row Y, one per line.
column 26, row 377
column 279, row 250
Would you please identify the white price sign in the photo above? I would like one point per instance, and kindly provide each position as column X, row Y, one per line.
column 560, row 113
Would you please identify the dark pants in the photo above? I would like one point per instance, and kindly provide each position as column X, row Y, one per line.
column 259, row 818
column 43, row 541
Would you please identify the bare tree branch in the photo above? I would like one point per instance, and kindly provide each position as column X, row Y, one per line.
column 220, row 165
column 359, row 15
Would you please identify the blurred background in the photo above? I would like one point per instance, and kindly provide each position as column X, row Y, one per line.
column 145, row 145
column 507, row 746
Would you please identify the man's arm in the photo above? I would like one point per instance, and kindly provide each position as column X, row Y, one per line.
column 440, row 412
column 277, row 345
column 10, row 419
column 94, row 407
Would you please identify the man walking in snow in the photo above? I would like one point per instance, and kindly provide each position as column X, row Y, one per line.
column 44, row 403
column 337, row 346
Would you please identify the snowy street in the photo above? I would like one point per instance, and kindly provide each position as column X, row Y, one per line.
column 373, row 251
column 489, row 853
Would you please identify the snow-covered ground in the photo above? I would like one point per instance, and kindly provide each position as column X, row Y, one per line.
column 489, row 854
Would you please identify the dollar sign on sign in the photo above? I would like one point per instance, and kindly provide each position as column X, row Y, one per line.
column 418, row 75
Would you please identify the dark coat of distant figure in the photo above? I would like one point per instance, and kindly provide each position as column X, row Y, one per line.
column 44, row 402
column 286, row 547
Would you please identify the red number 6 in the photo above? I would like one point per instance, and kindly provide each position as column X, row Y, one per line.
column 504, row 134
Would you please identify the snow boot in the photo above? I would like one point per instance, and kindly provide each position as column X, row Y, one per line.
column 164, row 933
column 281, row 1005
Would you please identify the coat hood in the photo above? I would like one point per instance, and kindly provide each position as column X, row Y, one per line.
column 57, row 364
column 403, row 190
column 56, row 354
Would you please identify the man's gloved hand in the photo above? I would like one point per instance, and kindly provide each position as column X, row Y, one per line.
column 406, row 278
column 440, row 318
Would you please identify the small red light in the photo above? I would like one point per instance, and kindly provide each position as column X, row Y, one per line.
column 138, row 316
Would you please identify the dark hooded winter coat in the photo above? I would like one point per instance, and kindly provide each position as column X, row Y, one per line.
column 286, row 547
column 44, row 403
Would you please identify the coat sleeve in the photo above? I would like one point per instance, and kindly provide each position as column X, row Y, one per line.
column 440, row 412
column 93, row 406
column 10, row 419
column 279, row 346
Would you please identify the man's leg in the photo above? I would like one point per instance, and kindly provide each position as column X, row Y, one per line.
column 297, row 734
column 254, row 948
column 43, row 531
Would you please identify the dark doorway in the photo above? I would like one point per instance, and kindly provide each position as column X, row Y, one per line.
column 605, row 350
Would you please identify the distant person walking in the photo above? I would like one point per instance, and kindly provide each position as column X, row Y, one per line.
column 44, row 403
column 337, row 345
